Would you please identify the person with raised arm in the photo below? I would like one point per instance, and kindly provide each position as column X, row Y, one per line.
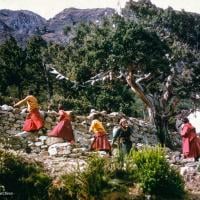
column 34, row 121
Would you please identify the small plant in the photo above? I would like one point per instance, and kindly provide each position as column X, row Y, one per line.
column 95, row 177
column 154, row 173
column 119, row 167
column 66, row 187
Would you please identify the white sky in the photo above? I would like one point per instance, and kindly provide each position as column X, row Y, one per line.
column 49, row 8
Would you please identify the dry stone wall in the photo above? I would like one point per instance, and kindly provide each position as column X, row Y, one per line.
column 11, row 122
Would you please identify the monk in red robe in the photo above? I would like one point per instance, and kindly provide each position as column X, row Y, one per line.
column 190, row 140
column 100, row 142
column 64, row 128
column 34, row 120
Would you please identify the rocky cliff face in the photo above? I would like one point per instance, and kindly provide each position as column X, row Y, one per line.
column 20, row 24
column 24, row 24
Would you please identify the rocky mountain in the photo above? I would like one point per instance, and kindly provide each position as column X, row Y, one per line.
column 23, row 24
column 20, row 24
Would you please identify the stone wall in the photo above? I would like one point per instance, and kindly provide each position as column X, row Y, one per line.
column 11, row 121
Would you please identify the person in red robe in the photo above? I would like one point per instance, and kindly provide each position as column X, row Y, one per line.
column 34, row 121
column 64, row 128
column 190, row 140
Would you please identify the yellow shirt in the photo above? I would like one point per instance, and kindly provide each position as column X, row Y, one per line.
column 31, row 101
column 96, row 126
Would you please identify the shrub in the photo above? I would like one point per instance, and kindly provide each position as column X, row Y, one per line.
column 93, row 183
column 154, row 173
column 118, row 167
column 11, row 142
column 25, row 179
column 95, row 176
column 98, row 178
column 66, row 187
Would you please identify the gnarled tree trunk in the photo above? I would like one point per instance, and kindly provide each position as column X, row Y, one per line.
column 156, row 112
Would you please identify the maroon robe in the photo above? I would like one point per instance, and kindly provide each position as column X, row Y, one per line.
column 101, row 142
column 190, row 141
column 33, row 121
column 64, row 128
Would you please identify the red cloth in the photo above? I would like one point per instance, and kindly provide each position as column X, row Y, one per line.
column 190, row 141
column 63, row 129
column 33, row 121
column 100, row 142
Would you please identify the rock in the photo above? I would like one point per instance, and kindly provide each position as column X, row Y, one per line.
column 23, row 111
column 43, row 137
column 183, row 170
column 60, row 149
column 52, row 151
column 53, row 140
column 38, row 144
column 6, row 107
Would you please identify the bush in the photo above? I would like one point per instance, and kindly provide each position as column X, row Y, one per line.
column 119, row 167
column 154, row 173
column 93, row 183
column 66, row 187
column 95, row 176
column 26, row 180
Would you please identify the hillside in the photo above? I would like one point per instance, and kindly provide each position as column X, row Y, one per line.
column 23, row 24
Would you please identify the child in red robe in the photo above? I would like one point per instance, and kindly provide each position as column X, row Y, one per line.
column 34, row 120
column 64, row 128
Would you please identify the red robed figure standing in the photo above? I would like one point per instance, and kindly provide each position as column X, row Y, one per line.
column 34, row 120
column 190, row 140
column 64, row 128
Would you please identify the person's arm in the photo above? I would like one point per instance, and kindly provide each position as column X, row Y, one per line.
column 91, row 126
column 185, row 130
column 130, row 131
column 60, row 114
column 116, row 133
column 21, row 102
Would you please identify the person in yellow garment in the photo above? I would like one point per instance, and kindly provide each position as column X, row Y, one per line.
column 100, row 142
column 34, row 120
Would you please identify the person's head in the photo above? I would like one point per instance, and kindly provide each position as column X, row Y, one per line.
column 71, row 115
column 185, row 120
column 94, row 116
column 123, row 123
column 30, row 92
column 60, row 107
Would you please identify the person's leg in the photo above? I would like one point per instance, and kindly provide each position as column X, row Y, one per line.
column 196, row 159
column 22, row 134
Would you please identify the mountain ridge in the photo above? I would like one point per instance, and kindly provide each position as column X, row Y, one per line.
column 22, row 24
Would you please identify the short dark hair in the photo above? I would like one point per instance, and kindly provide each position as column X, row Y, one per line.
column 60, row 107
column 96, row 116
column 30, row 92
column 185, row 120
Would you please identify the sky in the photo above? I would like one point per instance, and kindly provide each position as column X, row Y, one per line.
column 49, row 8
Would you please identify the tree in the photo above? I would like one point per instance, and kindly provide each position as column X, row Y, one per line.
column 12, row 64
column 36, row 68
column 120, row 48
